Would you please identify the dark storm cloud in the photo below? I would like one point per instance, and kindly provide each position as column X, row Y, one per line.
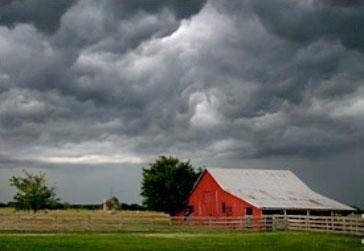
column 347, row 3
column 119, row 82
column 48, row 88
column 238, row 77
column 264, row 76
column 306, row 21
column 109, row 27
column 182, row 9
column 45, row 15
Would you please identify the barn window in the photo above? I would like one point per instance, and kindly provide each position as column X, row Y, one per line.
column 248, row 211
column 223, row 207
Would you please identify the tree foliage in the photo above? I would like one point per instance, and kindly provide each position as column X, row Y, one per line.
column 33, row 192
column 167, row 183
column 358, row 209
column 113, row 203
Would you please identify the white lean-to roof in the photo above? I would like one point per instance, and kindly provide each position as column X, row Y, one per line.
column 272, row 189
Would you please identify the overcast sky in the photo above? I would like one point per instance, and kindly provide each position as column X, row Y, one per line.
column 91, row 91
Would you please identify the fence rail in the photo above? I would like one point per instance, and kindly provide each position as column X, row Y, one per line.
column 353, row 225
column 258, row 223
column 61, row 223
column 344, row 225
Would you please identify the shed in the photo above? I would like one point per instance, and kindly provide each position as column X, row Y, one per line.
column 241, row 192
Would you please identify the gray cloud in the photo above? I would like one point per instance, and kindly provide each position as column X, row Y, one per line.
column 221, row 83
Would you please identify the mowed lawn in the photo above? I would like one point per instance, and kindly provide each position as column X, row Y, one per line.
column 222, row 240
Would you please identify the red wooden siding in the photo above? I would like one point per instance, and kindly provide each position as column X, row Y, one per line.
column 209, row 199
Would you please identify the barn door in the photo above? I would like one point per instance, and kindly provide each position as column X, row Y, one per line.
column 207, row 203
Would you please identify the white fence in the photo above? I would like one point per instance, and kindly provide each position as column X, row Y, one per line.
column 84, row 223
column 353, row 225
column 343, row 225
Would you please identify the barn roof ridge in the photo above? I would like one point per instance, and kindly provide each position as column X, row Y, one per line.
column 249, row 169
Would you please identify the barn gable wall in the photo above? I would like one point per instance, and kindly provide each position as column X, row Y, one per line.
column 207, row 199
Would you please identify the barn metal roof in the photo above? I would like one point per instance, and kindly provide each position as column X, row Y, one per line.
column 272, row 189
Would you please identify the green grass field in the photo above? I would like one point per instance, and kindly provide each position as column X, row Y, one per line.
column 24, row 231
column 221, row 240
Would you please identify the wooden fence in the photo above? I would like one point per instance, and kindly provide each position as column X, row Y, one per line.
column 352, row 225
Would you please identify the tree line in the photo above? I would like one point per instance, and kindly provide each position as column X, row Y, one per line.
column 166, row 184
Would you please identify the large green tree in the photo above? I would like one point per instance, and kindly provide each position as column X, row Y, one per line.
column 166, row 184
column 33, row 192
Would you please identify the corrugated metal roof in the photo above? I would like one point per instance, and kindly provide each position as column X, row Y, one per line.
column 272, row 189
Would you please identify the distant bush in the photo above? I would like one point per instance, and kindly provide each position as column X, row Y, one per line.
column 84, row 206
column 66, row 205
column 124, row 206
column 133, row 207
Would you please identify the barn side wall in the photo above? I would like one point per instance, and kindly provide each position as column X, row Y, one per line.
column 209, row 199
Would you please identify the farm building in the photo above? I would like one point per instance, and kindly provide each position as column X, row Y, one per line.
column 241, row 192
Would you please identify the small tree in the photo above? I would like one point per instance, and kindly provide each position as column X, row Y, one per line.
column 167, row 184
column 33, row 192
column 112, row 204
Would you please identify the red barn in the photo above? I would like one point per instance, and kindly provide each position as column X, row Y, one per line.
column 241, row 192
